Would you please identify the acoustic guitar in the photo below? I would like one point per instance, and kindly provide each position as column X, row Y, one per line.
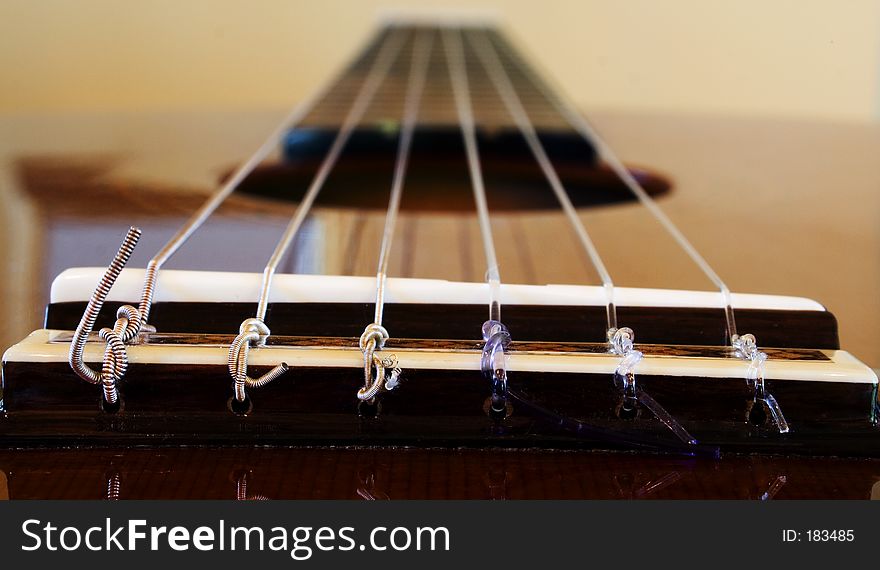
column 410, row 295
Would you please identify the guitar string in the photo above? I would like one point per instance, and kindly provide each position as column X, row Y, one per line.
column 254, row 332
column 375, row 335
column 461, row 93
column 294, row 117
column 416, row 83
column 512, row 102
column 745, row 346
column 620, row 340
column 493, row 362
column 379, row 69
column 461, row 90
column 582, row 126
column 208, row 208
column 131, row 321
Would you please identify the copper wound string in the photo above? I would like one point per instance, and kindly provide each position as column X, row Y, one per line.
column 134, row 320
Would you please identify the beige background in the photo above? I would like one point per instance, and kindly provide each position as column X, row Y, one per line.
column 804, row 58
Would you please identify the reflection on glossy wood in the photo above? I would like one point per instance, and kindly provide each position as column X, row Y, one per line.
column 167, row 404
column 399, row 473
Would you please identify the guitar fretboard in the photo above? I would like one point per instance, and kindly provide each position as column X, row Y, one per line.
column 437, row 105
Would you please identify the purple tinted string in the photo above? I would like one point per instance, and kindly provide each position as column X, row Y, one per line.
column 492, row 363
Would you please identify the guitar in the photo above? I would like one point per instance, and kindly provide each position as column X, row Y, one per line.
column 442, row 134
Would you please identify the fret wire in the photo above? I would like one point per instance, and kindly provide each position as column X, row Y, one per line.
column 506, row 90
column 416, row 83
column 461, row 93
column 567, row 109
column 433, row 110
column 377, row 73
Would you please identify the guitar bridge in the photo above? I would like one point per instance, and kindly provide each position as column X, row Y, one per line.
column 177, row 385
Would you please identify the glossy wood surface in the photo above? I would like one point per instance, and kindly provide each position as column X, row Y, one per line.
column 188, row 405
column 379, row 474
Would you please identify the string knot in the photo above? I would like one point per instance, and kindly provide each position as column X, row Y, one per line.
column 492, row 363
column 622, row 343
column 746, row 347
column 253, row 332
column 497, row 339
column 380, row 374
column 256, row 330
column 375, row 333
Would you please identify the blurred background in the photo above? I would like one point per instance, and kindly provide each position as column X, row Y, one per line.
column 764, row 114
column 817, row 59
